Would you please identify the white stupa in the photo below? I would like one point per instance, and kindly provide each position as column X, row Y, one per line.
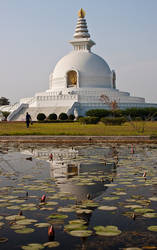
column 81, row 80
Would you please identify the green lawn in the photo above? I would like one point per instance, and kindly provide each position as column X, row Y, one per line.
column 128, row 129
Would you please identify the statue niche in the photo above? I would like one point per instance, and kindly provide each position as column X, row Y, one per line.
column 71, row 78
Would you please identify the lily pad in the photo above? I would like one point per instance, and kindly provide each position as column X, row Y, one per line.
column 28, row 205
column 17, row 201
column 14, row 207
column 1, row 224
column 132, row 248
column 107, row 208
column 107, row 231
column 25, row 222
column 133, row 206
column 42, row 224
column 84, row 211
column 89, row 204
column 15, row 217
column 119, row 193
column 77, row 222
column 58, row 216
column 65, row 209
column 51, row 244
column 25, row 230
column 3, row 239
column 71, row 227
column 110, row 185
column 154, row 198
column 152, row 228
column 33, row 246
column 47, row 208
column 81, row 233
column 29, row 208
column 112, row 198
column 143, row 210
column 51, row 203
column 15, row 227
column 150, row 215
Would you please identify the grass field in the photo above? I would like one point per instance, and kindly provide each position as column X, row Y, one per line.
column 128, row 129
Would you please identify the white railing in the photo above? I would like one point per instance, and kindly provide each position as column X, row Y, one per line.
column 16, row 111
column 57, row 97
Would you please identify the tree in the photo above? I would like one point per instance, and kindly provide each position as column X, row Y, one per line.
column 4, row 101
column 113, row 105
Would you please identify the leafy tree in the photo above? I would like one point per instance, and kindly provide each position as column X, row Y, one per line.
column 4, row 101
column 113, row 104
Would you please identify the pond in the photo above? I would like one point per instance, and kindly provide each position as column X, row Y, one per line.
column 101, row 196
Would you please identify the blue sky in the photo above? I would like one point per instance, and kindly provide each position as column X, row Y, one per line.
column 34, row 35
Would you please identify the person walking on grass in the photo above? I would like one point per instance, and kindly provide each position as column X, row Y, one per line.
column 28, row 119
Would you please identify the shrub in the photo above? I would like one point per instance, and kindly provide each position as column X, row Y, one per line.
column 144, row 113
column 63, row 116
column 113, row 120
column 71, row 117
column 89, row 120
column 117, row 113
column 41, row 117
column 5, row 114
column 98, row 113
column 52, row 117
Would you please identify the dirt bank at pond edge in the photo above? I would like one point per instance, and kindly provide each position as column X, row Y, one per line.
column 78, row 139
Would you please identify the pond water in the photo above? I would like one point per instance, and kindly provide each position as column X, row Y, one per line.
column 97, row 196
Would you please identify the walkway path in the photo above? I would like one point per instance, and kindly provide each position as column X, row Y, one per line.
column 78, row 139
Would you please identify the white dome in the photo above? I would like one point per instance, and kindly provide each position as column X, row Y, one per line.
column 93, row 71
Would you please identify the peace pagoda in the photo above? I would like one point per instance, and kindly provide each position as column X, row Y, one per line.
column 77, row 84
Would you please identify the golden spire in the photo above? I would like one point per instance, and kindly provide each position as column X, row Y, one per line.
column 81, row 13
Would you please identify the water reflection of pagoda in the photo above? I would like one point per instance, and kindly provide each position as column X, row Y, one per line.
column 63, row 164
column 67, row 164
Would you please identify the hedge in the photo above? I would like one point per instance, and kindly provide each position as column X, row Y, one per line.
column 89, row 120
column 144, row 113
column 98, row 112
column 113, row 120
column 148, row 113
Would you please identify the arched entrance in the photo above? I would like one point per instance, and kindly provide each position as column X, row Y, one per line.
column 71, row 78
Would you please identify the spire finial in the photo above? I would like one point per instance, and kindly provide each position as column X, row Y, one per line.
column 81, row 13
